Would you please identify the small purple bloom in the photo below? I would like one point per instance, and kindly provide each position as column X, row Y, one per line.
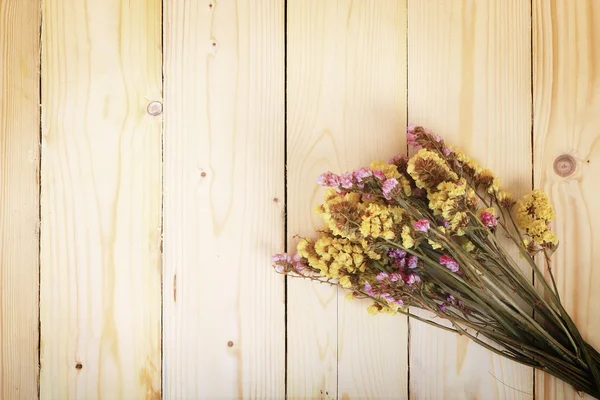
column 396, row 253
column 437, row 138
column 443, row 307
column 412, row 262
column 279, row 268
column 421, row 225
column 451, row 299
column 388, row 186
column 369, row 289
column 447, row 151
column 278, row 257
column 366, row 197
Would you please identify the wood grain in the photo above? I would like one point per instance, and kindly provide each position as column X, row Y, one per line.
column 19, row 198
column 224, row 196
column 100, row 200
column 566, row 71
column 470, row 81
column 346, row 107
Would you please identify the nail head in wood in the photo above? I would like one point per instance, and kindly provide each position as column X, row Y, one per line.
column 564, row 165
column 230, row 344
column 155, row 108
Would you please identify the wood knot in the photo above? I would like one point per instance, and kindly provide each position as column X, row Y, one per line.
column 155, row 108
column 203, row 174
column 78, row 365
column 230, row 344
column 564, row 165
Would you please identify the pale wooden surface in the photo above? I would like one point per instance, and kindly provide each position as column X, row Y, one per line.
column 224, row 326
column 470, row 78
column 19, row 198
column 346, row 108
column 470, row 81
column 566, row 60
column 100, row 200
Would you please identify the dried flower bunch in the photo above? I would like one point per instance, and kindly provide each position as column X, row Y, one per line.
column 424, row 232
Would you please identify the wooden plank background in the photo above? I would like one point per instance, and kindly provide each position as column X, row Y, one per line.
column 19, row 197
column 138, row 266
column 100, row 286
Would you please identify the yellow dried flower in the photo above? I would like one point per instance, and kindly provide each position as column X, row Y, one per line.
column 467, row 245
column 469, row 165
column 341, row 213
column 381, row 221
column 429, row 170
column 407, row 240
column 349, row 296
column 534, row 213
column 345, row 282
column 374, row 309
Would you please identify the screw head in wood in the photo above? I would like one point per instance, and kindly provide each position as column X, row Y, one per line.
column 155, row 108
column 564, row 165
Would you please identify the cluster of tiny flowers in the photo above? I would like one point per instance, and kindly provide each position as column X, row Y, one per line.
column 380, row 290
column 348, row 180
column 489, row 219
column 449, row 263
column 284, row 262
column 388, row 186
column 421, row 225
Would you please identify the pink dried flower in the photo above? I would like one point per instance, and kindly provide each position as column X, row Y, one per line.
column 412, row 262
column 489, row 219
column 411, row 138
column 447, row 151
column 279, row 257
column 328, row 179
column 451, row 299
column 388, row 297
column 421, row 225
column 369, row 289
column 378, row 174
column 346, row 180
column 362, row 174
column 412, row 279
column 388, row 186
column 382, row 276
column 395, row 277
column 437, row 138
column 366, row 196
column 449, row 262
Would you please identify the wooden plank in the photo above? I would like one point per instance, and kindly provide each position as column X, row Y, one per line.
column 101, row 200
column 566, row 72
column 346, row 107
column 19, row 198
column 470, row 81
column 224, row 310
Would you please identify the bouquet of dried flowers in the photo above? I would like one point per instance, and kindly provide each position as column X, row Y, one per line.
column 425, row 232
